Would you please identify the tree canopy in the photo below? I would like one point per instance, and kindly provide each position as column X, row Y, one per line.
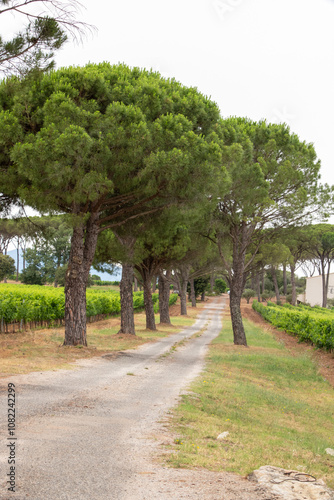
column 274, row 183
column 45, row 26
column 7, row 266
column 114, row 147
column 104, row 144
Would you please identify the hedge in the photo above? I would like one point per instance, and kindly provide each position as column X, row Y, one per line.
column 315, row 325
column 34, row 305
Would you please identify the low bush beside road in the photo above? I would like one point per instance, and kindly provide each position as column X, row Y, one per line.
column 27, row 306
column 315, row 325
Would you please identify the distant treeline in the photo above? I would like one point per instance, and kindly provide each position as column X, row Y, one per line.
column 105, row 283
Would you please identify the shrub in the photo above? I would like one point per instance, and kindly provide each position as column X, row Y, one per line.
column 315, row 325
column 7, row 266
column 32, row 276
column 248, row 294
column 267, row 295
column 220, row 286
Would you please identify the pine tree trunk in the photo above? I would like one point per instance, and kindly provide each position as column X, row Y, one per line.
column 18, row 260
column 75, row 292
column 235, row 301
column 192, row 293
column 327, row 280
column 135, row 286
column 83, row 245
column 183, row 299
column 203, row 296
column 126, row 294
column 285, row 281
column 147, row 269
column 253, row 282
column 183, row 280
column 258, row 290
column 237, row 280
column 293, row 285
column 24, row 255
column 149, row 308
column 324, row 297
column 263, row 285
column 325, row 285
column 154, row 284
column 273, row 273
column 164, row 292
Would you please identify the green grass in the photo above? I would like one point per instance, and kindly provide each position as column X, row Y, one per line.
column 277, row 409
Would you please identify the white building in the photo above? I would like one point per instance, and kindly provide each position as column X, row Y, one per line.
column 313, row 292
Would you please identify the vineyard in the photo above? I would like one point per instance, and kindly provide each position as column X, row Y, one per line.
column 31, row 306
column 309, row 324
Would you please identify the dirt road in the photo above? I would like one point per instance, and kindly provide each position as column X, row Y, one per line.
column 92, row 433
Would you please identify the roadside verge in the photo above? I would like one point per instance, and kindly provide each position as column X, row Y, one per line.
column 268, row 405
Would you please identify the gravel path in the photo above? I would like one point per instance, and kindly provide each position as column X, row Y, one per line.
column 92, row 433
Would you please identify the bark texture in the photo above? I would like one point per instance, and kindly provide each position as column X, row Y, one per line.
column 237, row 276
column 147, row 269
column 258, row 288
column 17, row 260
column 237, row 324
column 183, row 277
column 192, row 293
column 253, row 282
column 164, row 291
column 263, row 285
column 293, row 285
column 325, row 283
column 83, row 245
column 149, row 308
column 274, row 276
column 126, row 294
column 285, row 280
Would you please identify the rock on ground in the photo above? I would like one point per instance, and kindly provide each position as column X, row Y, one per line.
column 290, row 485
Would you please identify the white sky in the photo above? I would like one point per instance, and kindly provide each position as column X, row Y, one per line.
column 270, row 59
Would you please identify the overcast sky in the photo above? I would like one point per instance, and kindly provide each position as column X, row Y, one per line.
column 270, row 59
